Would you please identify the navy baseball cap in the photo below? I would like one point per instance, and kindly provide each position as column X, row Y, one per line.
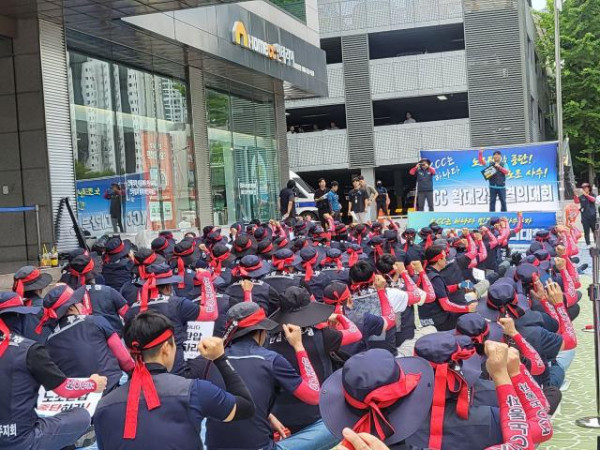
column 408, row 379
column 295, row 307
column 249, row 317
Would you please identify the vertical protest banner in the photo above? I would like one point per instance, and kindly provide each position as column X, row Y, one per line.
column 531, row 184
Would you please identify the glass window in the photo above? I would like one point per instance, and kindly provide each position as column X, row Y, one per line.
column 133, row 148
column 294, row 7
column 243, row 157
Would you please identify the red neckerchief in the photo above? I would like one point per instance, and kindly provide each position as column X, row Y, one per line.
column 19, row 283
column 308, row 267
column 141, row 383
column 378, row 399
column 81, row 275
column 50, row 313
column 149, row 289
column 378, row 251
column 353, row 259
column 4, row 330
column 446, row 378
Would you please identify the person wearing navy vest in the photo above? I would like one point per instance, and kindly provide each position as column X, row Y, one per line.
column 117, row 265
column 24, row 366
column 441, row 312
column 413, row 251
column 163, row 247
column 157, row 294
column 29, row 283
column 331, row 269
column 143, row 258
column 79, row 343
column 173, row 407
column 221, row 261
column 243, row 245
column 266, row 373
column 23, row 320
column 497, row 181
column 184, row 260
column 284, row 262
column 424, row 173
column 253, row 269
column 320, row 341
column 102, row 300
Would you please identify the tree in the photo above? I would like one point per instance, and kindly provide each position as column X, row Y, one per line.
column 580, row 47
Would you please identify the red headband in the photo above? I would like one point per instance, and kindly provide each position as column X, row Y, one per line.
column 4, row 343
column 242, row 271
column 253, row 319
column 267, row 249
column 149, row 289
column 141, row 382
column 436, row 258
column 50, row 313
column 283, row 243
column 353, row 259
column 455, row 383
column 338, row 299
column 245, row 247
column 143, row 263
column 336, row 261
column 360, row 284
column 378, row 399
column 117, row 249
column 217, row 262
column 281, row 264
column 512, row 307
column 81, row 275
column 164, row 246
column 19, row 283
column 308, row 267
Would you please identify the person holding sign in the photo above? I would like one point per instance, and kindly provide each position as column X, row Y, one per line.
column 495, row 173
column 25, row 366
column 173, row 408
column 424, row 173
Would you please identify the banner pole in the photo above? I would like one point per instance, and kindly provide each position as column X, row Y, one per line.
column 594, row 293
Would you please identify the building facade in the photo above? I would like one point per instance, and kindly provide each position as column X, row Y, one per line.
column 408, row 75
column 175, row 109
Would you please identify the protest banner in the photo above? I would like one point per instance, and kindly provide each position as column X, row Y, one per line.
column 532, row 179
column 532, row 221
column 49, row 403
column 196, row 331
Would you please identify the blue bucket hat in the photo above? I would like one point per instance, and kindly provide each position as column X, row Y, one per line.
column 404, row 385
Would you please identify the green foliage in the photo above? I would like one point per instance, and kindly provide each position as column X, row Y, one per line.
column 83, row 173
column 580, row 47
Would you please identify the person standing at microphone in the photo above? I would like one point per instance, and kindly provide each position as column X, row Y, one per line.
column 497, row 180
column 424, row 173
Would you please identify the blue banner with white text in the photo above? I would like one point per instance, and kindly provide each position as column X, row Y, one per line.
column 532, row 222
column 531, row 184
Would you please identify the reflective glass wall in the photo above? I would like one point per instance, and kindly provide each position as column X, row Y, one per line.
column 243, row 154
column 133, row 148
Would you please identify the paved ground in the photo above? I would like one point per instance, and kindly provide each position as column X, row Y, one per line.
column 579, row 400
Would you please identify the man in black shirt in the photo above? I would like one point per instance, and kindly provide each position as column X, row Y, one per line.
column 358, row 202
column 115, row 195
column 287, row 201
column 322, row 202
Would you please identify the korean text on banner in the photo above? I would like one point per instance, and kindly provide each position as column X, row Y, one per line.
column 532, row 178
column 532, row 222
column 49, row 403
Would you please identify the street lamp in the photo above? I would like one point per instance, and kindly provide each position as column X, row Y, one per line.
column 559, row 103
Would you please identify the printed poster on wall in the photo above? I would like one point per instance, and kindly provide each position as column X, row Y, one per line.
column 531, row 184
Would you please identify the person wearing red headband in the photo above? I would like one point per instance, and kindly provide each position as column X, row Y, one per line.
column 101, row 300
column 24, row 366
column 117, row 262
column 158, row 294
column 441, row 312
column 285, row 274
column 253, row 269
column 29, row 283
column 184, row 261
column 163, row 247
column 373, row 308
column 21, row 319
column 79, row 343
column 331, row 268
column 157, row 409
column 143, row 258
